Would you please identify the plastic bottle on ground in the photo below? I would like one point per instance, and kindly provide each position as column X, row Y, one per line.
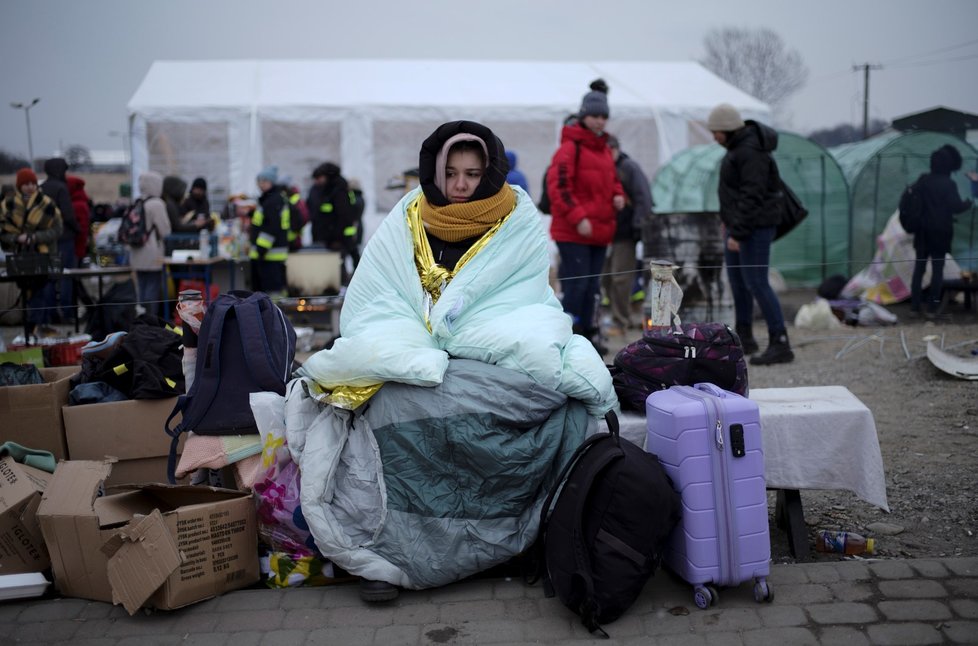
column 844, row 543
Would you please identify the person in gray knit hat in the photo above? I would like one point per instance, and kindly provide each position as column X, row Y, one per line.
column 585, row 196
column 749, row 192
column 595, row 102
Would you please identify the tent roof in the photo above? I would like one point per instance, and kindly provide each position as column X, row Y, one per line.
column 366, row 82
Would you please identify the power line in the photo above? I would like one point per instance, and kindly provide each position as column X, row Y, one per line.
column 899, row 61
column 936, row 51
column 935, row 62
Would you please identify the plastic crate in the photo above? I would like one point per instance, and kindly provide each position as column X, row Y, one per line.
column 33, row 264
column 68, row 353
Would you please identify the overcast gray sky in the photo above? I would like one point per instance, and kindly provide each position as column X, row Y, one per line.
column 84, row 59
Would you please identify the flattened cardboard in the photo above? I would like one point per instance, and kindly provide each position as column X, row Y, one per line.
column 131, row 431
column 32, row 414
column 142, row 555
column 214, row 532
column 22, row 548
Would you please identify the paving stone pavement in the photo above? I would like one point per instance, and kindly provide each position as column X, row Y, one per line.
column 850, row 602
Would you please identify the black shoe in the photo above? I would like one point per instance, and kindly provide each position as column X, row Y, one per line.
column 747, row 341
column 377, row 591
column 778, row 351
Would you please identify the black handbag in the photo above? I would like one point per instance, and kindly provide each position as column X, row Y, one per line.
column 792, row 211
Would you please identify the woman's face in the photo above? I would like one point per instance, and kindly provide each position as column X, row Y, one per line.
column 463, row 172
column 595, row 122
column 28, row 188
column 720, row 137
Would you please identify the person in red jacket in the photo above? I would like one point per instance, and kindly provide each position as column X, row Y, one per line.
column 585, row 196
column 83, row 213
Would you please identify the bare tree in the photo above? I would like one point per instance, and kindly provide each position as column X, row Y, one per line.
column 78, row 157
column 756, row 61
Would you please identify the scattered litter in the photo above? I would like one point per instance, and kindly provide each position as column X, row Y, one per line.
column 961, row 367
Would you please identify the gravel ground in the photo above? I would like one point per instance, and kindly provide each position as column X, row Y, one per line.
column 927, row 422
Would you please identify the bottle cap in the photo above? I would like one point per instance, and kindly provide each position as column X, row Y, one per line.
column 871, row 545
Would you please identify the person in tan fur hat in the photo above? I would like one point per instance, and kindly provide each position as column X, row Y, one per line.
column 750, row 209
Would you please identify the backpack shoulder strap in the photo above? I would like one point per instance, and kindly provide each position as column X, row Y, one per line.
column 258, row 355
column 208, row 367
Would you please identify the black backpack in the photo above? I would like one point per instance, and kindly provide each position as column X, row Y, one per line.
column 912, row 208
column 613, row 508
column 245, row 345
column 544, row 205
column 134, row 230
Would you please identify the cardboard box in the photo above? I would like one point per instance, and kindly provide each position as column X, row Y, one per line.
column 22, row 548
column 130, row 431
column 162, row 546
column 32, row 414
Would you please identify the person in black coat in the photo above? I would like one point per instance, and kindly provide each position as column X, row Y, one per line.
column 58, row 293
column 933, row 241
column 750, row 209
column 334, row 220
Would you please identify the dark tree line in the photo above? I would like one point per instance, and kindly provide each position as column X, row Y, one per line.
column 11, row 163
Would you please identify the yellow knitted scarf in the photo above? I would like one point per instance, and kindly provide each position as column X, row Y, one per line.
column 488, row 216
column 466, row 220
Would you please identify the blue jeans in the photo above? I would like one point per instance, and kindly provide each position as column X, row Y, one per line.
column 57, row 294
column 936, row 280
column 580, row 280
column 747, row 272
column 150, row 284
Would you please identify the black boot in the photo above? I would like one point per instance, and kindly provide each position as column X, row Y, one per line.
column 374, row 591
column 778, row 351
column 747, row 341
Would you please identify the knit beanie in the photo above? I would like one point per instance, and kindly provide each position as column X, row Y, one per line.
column 269, row 173
column 595, row 102
column 25, row 176
column 724, row 118
column 200, row 183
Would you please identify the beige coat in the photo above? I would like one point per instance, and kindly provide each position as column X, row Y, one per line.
column 149, row 257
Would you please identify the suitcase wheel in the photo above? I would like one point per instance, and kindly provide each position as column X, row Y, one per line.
column 705, row 596
column 762, row 591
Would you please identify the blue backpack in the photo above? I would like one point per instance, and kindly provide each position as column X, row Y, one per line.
column 245, row 345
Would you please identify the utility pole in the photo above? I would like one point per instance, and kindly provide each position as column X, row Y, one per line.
column 865, row 68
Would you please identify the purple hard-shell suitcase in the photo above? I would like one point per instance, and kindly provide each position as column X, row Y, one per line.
column 709, row 441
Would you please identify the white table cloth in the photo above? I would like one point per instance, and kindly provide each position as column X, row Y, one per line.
column 816, row 437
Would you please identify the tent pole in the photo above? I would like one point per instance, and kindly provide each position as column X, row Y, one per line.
column 821, row 207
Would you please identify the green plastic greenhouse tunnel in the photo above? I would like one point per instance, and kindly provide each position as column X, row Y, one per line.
column 877, row 171
column 819, row 247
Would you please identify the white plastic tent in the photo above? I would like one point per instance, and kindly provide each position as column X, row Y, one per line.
column 225, row 120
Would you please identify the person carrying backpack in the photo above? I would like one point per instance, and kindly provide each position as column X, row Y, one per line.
column 147, row 259
column 585, row 196
column 936, row 229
